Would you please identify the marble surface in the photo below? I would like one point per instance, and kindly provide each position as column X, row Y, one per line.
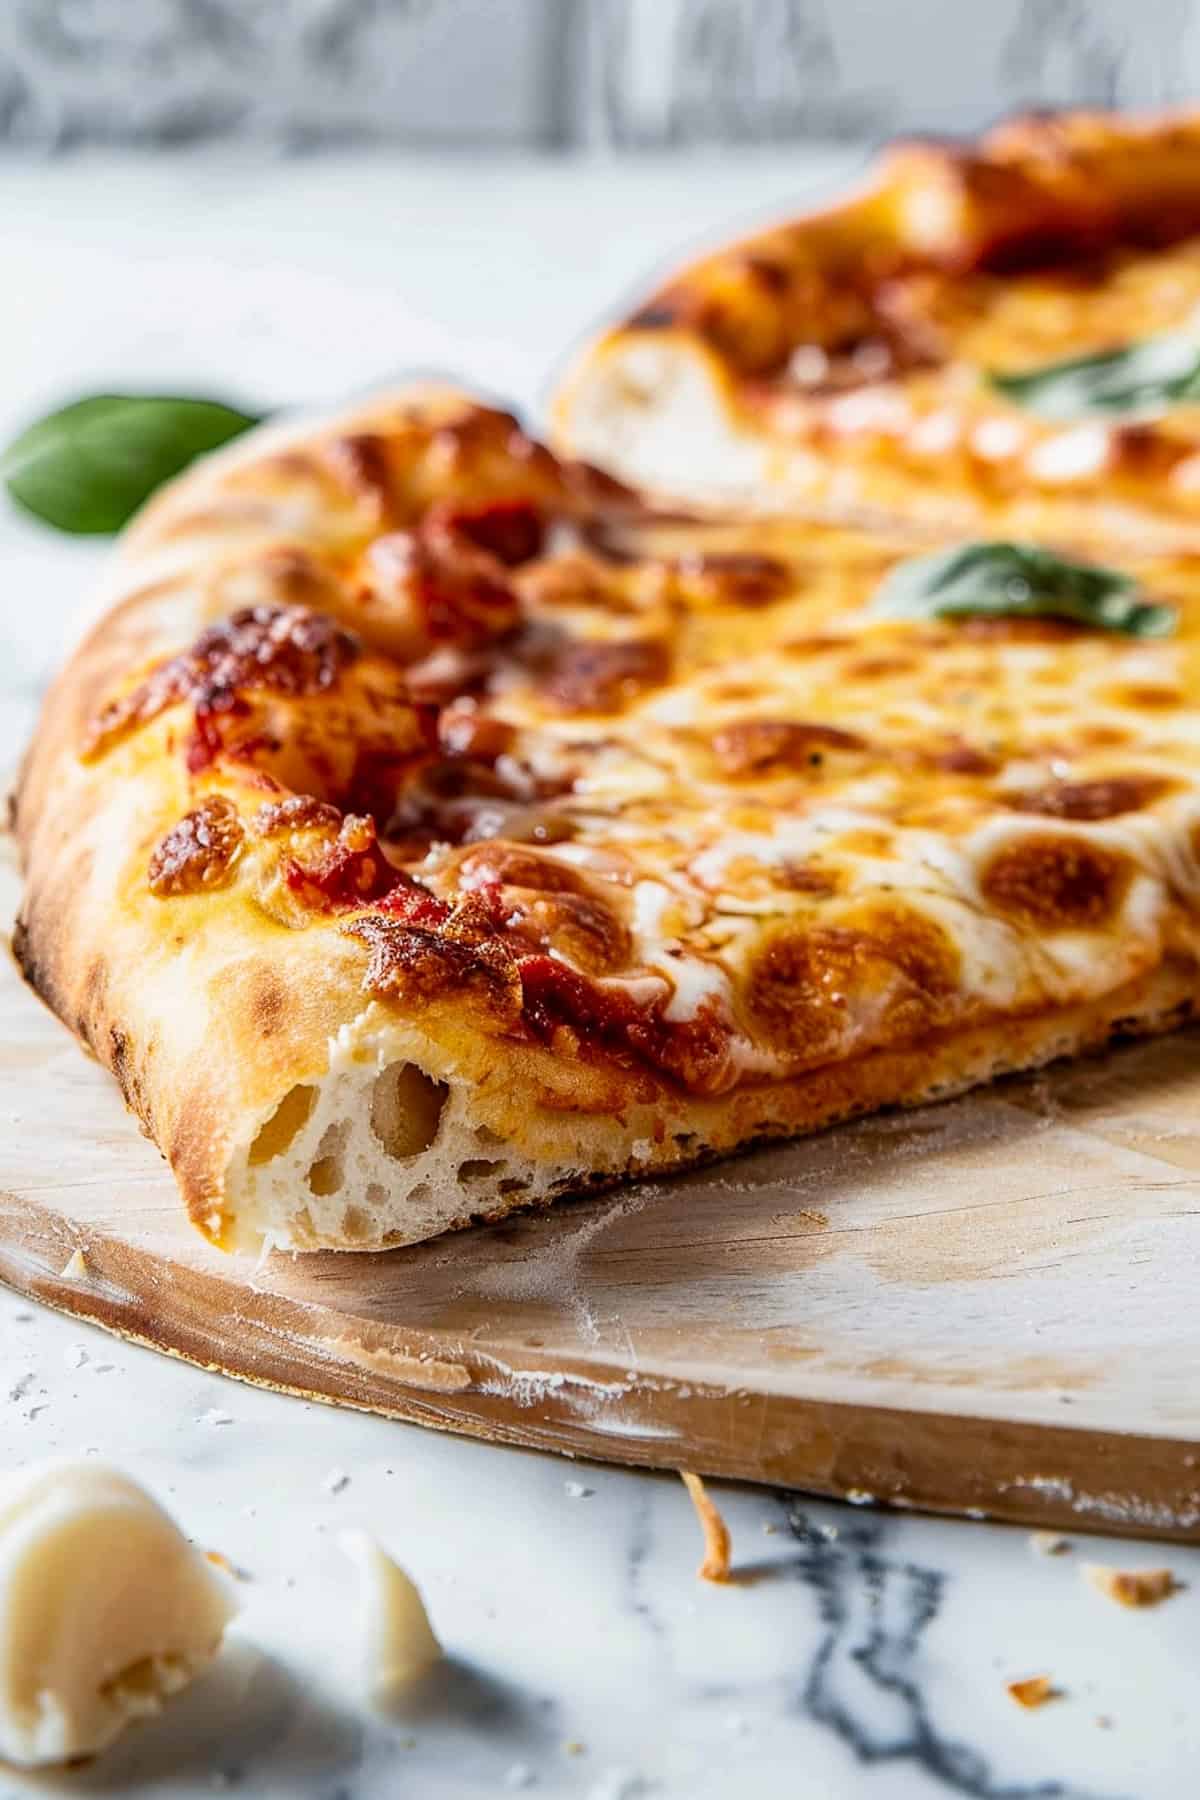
column 858, row 1653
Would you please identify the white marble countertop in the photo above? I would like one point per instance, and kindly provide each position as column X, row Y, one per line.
column 860, row 1653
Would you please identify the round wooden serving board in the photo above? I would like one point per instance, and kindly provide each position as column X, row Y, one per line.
column 987, row 1305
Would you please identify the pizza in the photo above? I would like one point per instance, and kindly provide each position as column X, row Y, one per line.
column 1003, row 335
column 430, row 826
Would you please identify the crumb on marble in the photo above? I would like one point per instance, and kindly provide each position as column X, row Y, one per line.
column 1048, row 1543
column 1130, row 1587
column 219, row 1560
column 335, row 1481
column 574, row 1747
column 1032, row 1691
column 575, row 1490
column 715, row 1566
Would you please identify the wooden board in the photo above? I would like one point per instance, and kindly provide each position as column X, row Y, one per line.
column 987, row 1306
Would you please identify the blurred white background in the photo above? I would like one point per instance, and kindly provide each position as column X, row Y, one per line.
column 558, row 73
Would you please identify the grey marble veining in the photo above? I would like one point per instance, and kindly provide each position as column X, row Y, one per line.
column 857, row 1654
column 625, row 73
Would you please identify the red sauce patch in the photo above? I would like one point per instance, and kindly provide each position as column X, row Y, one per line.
column 513, row 531
column 1090, row 800
column 695, row 1052
column 346, row 869
column 276, row 649
column 548, row 904
column 750, row 746
column 198, row 853
column 1058, row 883
column 442, row 587
column 602, row 677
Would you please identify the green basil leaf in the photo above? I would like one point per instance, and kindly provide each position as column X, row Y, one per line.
column 1146, row 378
column 1019, row 581
column 88, row 467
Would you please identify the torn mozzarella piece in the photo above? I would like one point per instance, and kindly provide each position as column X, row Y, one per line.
column 105, row 1610
column 399, row 1644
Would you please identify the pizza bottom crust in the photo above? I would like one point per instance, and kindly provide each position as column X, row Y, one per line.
column 407, row 1134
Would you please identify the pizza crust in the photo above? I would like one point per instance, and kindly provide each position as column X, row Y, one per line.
column 294, row 1107
column 688, row 396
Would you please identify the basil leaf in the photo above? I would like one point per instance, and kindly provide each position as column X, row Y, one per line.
column 88, row 467
column 1019, row 581
column 1146, row 377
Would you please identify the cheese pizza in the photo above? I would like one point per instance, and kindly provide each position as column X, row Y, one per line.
column 429, row 827
column 1000, row 336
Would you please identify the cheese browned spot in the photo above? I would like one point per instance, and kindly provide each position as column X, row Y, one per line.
column 751, row 746
column 603, row 676
column 1091, row 800
column 1057, row 883
column 890, row 973
column 734, row 578
column 424, row 964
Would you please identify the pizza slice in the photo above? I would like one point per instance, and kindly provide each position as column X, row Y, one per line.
column 428, row 828
column 1002, row 336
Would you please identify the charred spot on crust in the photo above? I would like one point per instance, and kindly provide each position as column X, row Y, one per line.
column 268, row 1002
column 604, row 676
column 119, row 1063
column 197, row 853
column 751, row 746
column 1059, row 883
column 1090, row 800
column 288, row 650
